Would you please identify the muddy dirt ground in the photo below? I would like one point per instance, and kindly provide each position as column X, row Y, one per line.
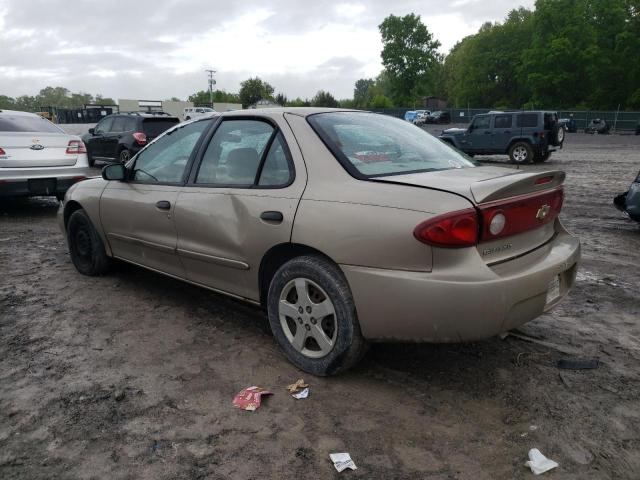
column 131, row 375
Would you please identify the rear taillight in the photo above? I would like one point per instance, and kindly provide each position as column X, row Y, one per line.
column 516, row 215
column 453, row 230
column 140, row 138
column 76, row 147
column 2, row 152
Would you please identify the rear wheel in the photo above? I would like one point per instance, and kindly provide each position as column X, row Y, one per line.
column 124, row 156
column 521, row 152
column 85, row 245
column 313, row 317
column 542, row 158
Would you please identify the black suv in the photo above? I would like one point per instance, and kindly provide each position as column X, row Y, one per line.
column 120, row 136
column 525, row 136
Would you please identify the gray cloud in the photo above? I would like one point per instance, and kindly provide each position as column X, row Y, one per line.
column 136, row 48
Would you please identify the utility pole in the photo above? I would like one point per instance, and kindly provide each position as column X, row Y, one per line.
column 212, row 82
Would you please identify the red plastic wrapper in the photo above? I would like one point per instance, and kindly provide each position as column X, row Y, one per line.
column 250, row 398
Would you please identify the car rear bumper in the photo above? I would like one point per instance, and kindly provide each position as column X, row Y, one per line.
column 472, row 303
column 40, row 181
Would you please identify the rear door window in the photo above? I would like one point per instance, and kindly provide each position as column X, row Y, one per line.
column 104, row 126
column 527, row 120
column 503, row 121
column 118, row 125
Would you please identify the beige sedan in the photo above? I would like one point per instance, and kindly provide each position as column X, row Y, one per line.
column 346, row 227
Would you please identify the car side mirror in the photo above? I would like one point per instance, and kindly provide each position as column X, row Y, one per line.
column 115, row 171
column 92, row 131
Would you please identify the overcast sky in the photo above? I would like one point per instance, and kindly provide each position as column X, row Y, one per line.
column 154, row 49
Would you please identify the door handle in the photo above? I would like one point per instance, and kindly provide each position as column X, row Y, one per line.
column 272, row 216
column 163, row 205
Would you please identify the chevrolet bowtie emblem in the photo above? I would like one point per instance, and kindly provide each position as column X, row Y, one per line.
column 543, row 211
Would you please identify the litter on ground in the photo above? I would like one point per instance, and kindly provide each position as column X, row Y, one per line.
column 538, row 463
column 342, row 461
column 250, row 398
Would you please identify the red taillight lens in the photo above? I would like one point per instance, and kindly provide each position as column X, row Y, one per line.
column 2, row 152
column 513, row 216
column 140, row 138
column 76, row 147
column 453, row 230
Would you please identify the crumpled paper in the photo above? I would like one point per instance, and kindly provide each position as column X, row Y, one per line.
column 342, row 461
column 299, row 385
column 304, row 393
column 250, row 398
column 538, row 463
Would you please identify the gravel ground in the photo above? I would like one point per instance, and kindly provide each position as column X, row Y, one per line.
column 131, row 375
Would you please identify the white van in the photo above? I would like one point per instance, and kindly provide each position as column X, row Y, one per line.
column 197, row 112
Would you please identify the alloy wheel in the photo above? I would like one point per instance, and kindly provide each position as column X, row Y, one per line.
column 308, row 318
column 520, row 154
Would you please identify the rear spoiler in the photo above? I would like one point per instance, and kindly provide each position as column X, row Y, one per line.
column 504, row 187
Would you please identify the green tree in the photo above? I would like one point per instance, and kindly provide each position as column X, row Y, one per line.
column 299, row 102
column 281, row 99
column 253, row 90
column 409, row 53
column 7, row 103
column 361, row 92
column 324, row 99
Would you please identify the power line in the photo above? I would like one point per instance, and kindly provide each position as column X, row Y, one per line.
column 212, row 82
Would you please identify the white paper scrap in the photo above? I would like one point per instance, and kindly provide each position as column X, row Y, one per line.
column 342, row 461
column 538, row 463
column 301, row 394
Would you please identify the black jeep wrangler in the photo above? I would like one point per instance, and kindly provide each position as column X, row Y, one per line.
column 525, row 136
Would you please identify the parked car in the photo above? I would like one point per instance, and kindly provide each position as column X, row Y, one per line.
column 438, row 116
column 119, row 136
column 569, row 124
column 38, row 157
column 410, row 115
column 629, row 201
column 597, row 125
column 524, row 136
column 346, row 227
column 192, row 113
column 421, row 117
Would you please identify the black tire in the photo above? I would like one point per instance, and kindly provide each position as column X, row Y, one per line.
column 521, row 153
column 90, row 158
column 187, row 118
column 124, row 156
column 542, row 158
column 348, row 345
column 85, row 245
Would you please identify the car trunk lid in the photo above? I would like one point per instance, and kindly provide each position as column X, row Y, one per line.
column 529, row 201
column 35, row 149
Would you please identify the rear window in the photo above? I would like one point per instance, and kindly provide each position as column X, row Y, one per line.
column 373, row 145
column 19, row 123
column 525, row 120
column 155, row 126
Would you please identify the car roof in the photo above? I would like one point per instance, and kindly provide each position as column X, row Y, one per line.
column 18, row 113
column 300, row 111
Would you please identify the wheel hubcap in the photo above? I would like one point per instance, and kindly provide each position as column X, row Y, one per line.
column 308, row 318
column 83, row 243
column 520, row 154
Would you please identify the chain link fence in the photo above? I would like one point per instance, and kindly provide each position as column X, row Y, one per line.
column 620, row 122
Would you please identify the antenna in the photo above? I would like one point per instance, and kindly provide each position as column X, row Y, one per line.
column 212, row 82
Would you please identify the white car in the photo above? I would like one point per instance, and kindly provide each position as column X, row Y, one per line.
column 38, row 157
column 421, row 116
column 192, row 113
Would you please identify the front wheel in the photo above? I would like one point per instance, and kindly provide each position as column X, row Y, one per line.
column 85, row 245
column 521, row 152
column 313, row 317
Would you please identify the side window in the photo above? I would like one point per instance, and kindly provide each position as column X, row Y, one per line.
column 483, row 121
column 276, row 170
column 104, row 126
column 165, row 160
column 525, row 120
column 234, row 153
column 130, row 125
column 503, row 121
column 118, row 124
